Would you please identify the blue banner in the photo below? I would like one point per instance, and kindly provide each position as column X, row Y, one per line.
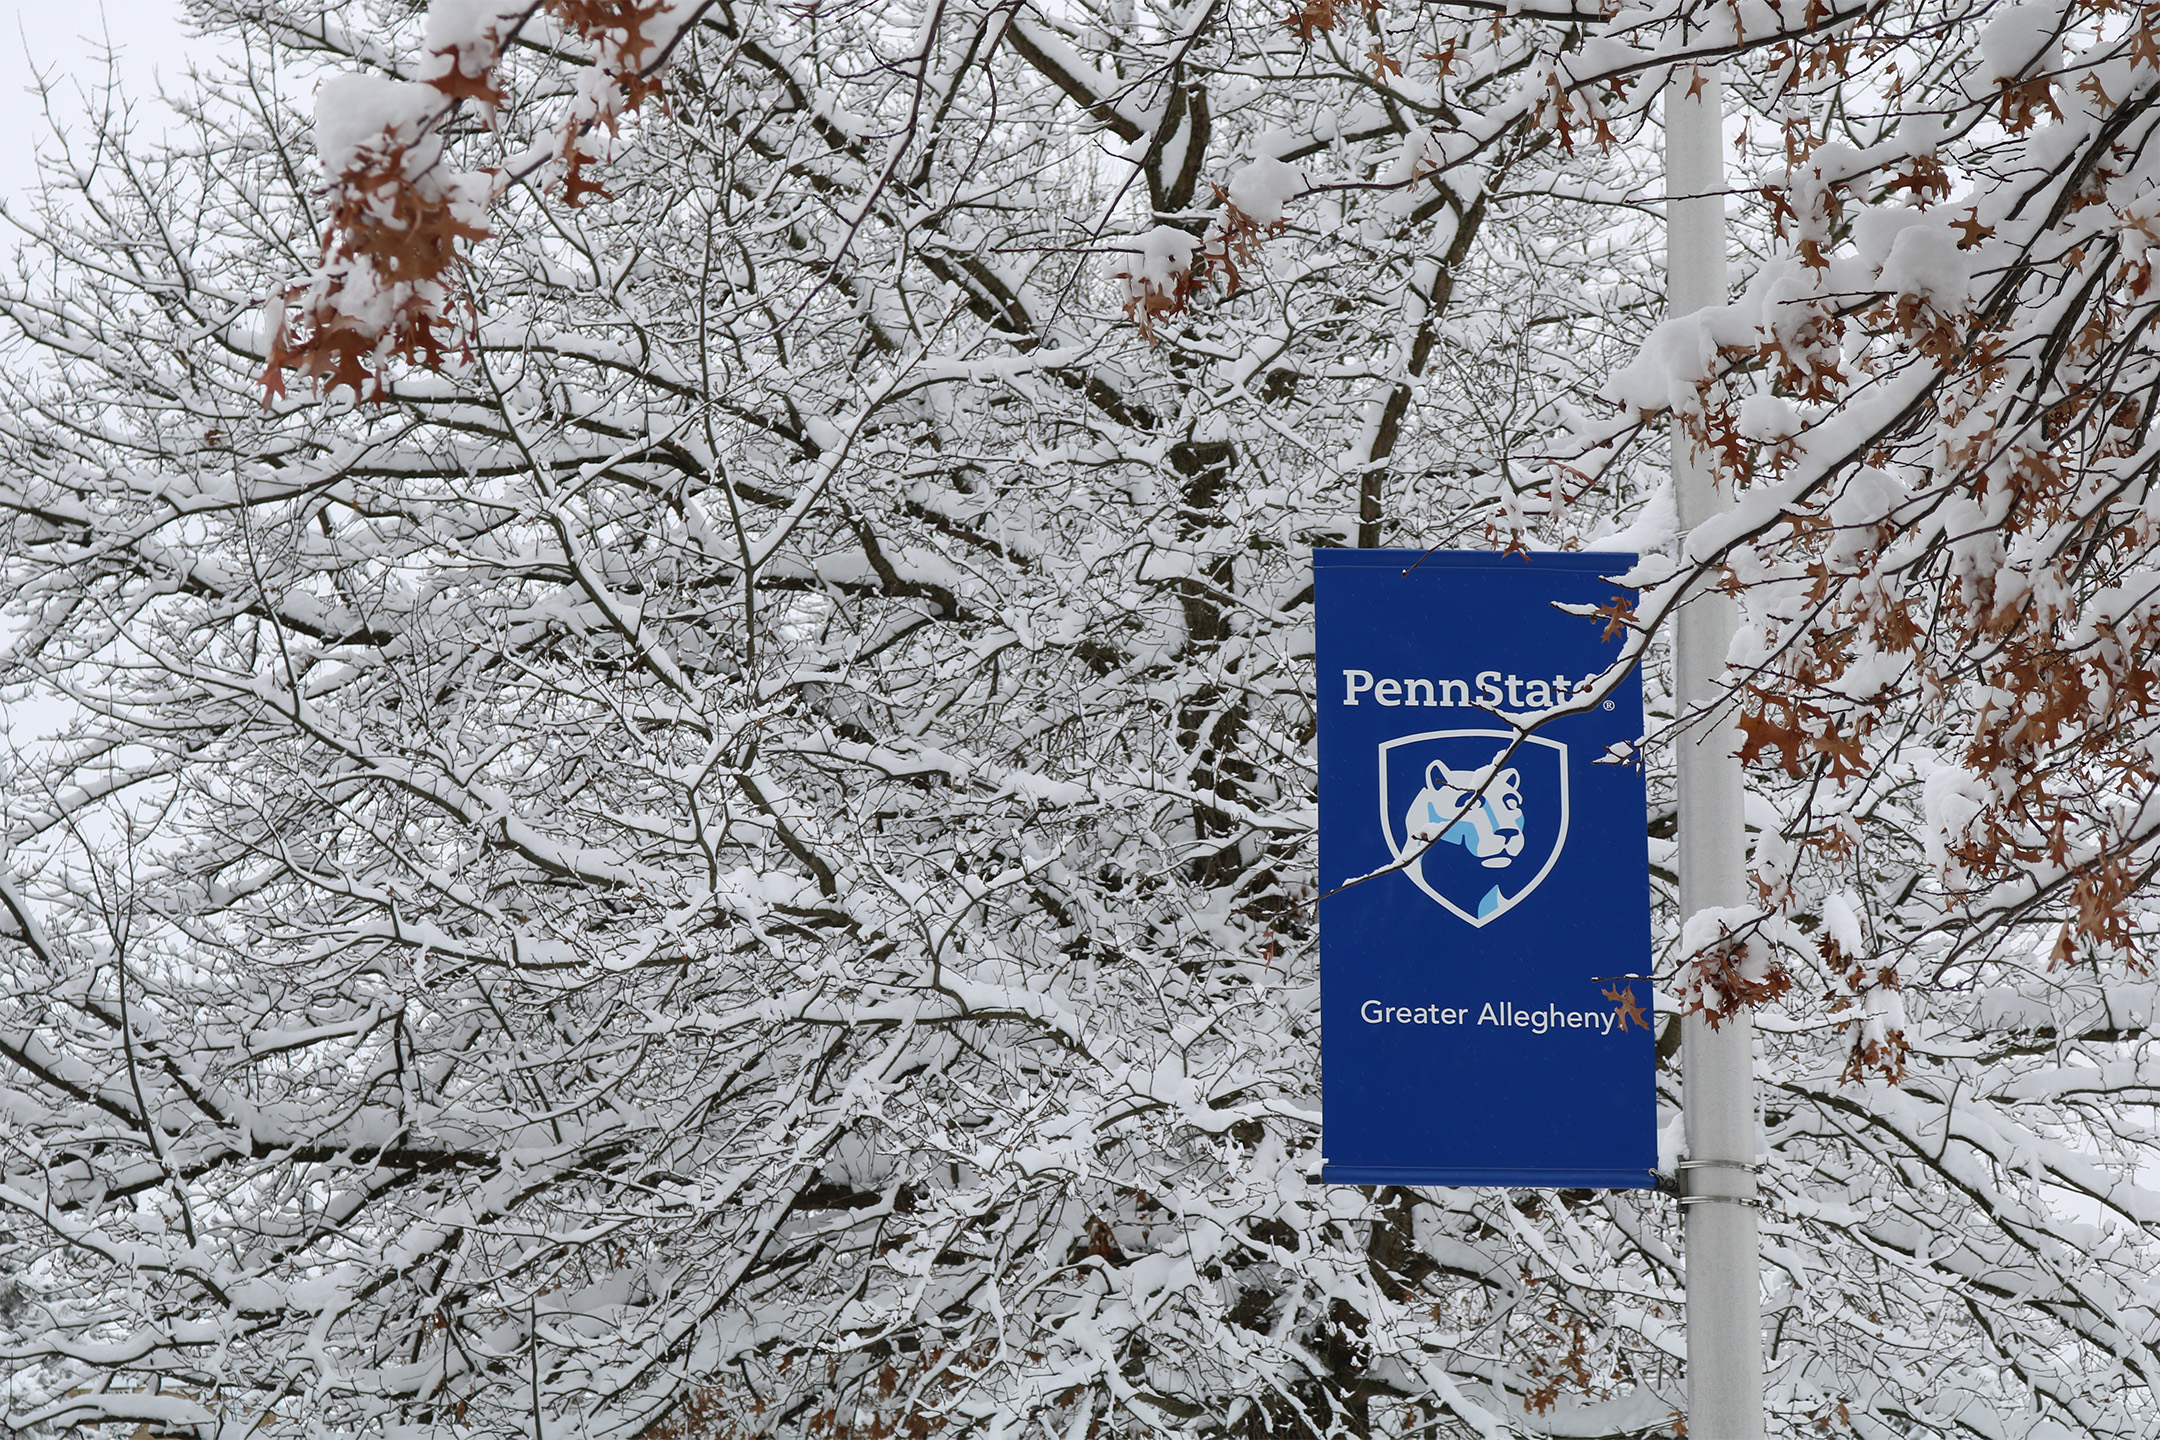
column 1484, row 911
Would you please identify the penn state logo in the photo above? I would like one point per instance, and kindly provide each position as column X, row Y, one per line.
column 1477, row 853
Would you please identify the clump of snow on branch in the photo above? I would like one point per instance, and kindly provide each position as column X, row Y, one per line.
column 400, row 209
column 397, row 215
column 1732, row 962
column 1156, row 272
column 1262, row 190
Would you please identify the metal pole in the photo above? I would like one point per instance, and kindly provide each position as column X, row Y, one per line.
column 1724, row 1298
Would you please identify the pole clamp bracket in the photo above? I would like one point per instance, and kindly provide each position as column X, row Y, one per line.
column 1689, row 1195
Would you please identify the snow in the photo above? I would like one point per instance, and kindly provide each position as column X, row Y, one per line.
column 356, row 112
column 1706, row 928
column 462, row 25
column 1675, row 355
column 1871, row 496
column 1924, row 261
column 1951, row 799
column 1155, row 262
column 1671, row 1143
column 1841, row 922
column 2016, row 37
column 1654, row 528
column 1768, row 418
column 1263, row 189
column 465, row 35
column 1876, row 228
column 1882, row 1015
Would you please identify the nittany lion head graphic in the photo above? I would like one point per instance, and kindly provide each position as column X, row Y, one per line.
column 1476, row 818
column 1489, row 826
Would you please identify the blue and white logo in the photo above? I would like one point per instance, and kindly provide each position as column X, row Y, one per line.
column 1477, row 853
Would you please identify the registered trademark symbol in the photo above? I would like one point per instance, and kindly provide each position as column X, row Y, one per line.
column 1608, row 704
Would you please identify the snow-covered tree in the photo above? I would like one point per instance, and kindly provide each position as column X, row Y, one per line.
column 685, row 803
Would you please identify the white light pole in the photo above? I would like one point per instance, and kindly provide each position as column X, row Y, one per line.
column 1724, row 1299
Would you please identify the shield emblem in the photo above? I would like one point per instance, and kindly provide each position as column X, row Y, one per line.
column 1477, row 852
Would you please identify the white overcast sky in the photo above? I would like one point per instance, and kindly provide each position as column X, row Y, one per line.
column 66, row 40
